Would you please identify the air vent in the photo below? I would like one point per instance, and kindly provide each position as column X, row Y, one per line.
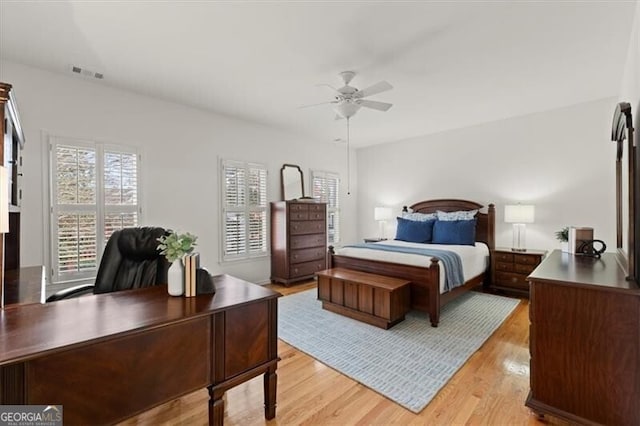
column 84, row 72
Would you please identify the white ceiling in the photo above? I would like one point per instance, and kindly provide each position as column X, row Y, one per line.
column 452, row 64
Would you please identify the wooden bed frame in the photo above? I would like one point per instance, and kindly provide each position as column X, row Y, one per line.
column 425, row 281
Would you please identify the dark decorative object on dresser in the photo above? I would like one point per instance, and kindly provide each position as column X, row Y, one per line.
column 509, row 270
column 585, row 316
column 298, row 240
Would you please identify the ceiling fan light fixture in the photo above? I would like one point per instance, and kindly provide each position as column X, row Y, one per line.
column 346, row 109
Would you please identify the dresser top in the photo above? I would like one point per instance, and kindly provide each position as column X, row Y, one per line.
column 568, row 269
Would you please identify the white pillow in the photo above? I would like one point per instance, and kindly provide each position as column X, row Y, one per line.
column 459, row 215
column 419, row 217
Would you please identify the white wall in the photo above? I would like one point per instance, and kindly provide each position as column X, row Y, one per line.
column 181, row 147
column 630, row 90
column 562, row 161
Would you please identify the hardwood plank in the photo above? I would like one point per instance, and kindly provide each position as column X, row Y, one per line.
column 489, row 389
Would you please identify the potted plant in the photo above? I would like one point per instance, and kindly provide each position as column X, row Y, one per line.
column 175, row 246
column 563, row 236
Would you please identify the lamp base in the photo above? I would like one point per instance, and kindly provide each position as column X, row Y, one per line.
column 519, row 232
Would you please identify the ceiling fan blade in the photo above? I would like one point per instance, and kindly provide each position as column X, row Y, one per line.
column 380, row 106
column 321, row 103
column 381, row 86
column 327, row 85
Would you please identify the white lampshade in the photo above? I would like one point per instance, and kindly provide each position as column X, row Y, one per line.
column 383, row 213
column 519, row 213
column 4, row 200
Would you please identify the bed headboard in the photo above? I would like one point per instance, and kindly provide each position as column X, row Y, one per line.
column 485, row 226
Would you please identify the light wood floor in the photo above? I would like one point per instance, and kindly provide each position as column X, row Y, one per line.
column 489, row 389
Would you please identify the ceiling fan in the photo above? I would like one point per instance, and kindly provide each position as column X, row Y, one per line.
column 348, row 99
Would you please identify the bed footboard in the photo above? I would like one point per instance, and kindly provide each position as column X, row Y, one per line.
column 425, row 282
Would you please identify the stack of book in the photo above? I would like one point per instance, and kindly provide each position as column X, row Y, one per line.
column 191, row 264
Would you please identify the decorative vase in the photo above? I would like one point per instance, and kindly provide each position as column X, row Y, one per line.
column 175, row 278
column 564, row 246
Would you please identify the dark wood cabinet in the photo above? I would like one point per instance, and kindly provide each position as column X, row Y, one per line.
column 11, row 158
column 298, row 240
column 585, row 341
column 509, row 269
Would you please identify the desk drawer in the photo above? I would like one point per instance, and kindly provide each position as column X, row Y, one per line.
column 306, row 255
column 308, row 227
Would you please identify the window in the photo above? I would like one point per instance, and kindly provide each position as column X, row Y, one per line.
column 244, row 210
column 94, row 191
column 325, row 187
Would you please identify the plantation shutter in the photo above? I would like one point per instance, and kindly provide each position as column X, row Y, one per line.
column 94, row 191
column 75, row 210
column 325, row 187
column 120, row 191
column 244, row 210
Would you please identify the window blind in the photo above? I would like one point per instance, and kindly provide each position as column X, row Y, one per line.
column 93, row 186
column 325, row 186
column 244, row 210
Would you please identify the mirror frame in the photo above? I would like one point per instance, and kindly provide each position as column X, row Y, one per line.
column 282, row 169
column 622, row 128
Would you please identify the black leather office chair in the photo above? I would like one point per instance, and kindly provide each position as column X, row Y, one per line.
column 130, row 260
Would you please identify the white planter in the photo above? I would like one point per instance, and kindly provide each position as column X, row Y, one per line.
column 564, row 246
column 175, row 278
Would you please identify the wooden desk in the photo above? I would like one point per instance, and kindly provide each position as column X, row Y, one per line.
column 108, row 357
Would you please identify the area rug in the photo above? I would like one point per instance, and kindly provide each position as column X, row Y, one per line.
column 409, row 363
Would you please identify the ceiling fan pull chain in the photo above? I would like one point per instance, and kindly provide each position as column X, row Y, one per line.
column 348, row 160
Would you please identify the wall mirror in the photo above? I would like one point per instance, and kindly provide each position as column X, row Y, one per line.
column 627, row 193
column 292, row 181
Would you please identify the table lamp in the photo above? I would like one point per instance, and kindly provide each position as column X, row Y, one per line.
column 519, row 215
column 382, row 214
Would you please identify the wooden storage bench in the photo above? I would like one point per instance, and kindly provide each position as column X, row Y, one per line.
column 375, row 299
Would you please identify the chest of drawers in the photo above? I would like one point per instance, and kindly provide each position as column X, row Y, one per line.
column 298, row 240
column 509, row 269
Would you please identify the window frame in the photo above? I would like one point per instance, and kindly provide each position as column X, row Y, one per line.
column 100, row 208
column 335, row 210
column 246, row 210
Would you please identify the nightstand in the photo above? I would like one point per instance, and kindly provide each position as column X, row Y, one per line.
column 510, row 269
column 374, row 240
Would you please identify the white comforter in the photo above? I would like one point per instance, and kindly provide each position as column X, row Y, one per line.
column 475, row 259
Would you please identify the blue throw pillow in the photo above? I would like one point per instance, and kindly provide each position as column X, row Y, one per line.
column 414, row 231
column 461, row 232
